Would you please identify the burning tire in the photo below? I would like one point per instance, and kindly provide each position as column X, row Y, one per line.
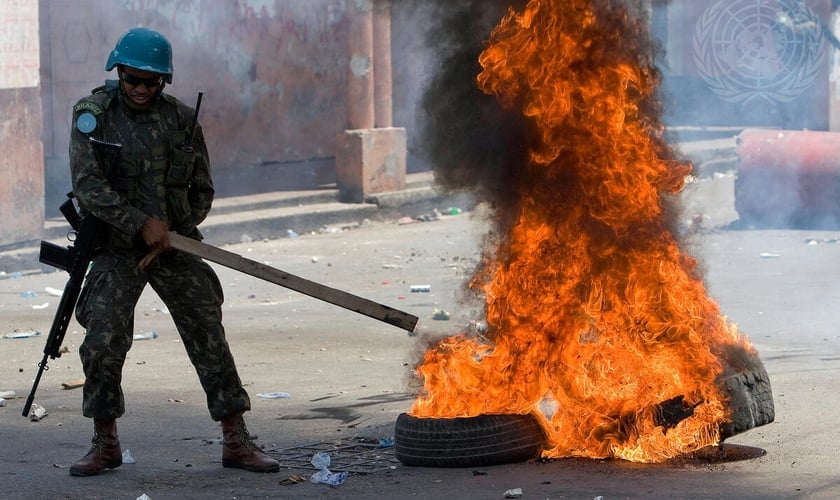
column 468, row 441
column 751, row 401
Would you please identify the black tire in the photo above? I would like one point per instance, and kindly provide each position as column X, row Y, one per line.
column 751, row 401
column 468, row 441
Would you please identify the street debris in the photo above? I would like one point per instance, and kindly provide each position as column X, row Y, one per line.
column 146, row 336
column 293, row 479
column 440, row 315
column 815, row 241
column 127, row 458
column 387, row 442
column 321, row 461
column 274, row 395
column 73, row 384
column 421, row 288
column 514, row 493
column 22, row 335
column 768, row 255
column 37, row 413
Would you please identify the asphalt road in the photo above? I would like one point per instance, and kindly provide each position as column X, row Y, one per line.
column 347, row 376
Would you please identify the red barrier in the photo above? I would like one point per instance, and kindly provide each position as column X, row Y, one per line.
column 788, row 178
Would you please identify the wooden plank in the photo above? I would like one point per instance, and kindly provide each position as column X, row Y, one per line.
column 334, row 296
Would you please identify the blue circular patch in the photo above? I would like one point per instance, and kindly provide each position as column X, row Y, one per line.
column 86, row 123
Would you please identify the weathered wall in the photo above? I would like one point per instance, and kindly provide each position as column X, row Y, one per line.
column 21, row 166
column 273, row 74
column 771, row 62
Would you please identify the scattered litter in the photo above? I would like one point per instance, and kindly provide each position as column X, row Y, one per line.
column 768, row 255
column 127, row 458
column 146, row 336
column 291, row 234
column 514, row 493
column 406, row 220
column 293, row 479
column 2, row 402
column 599, row 497
column 479, row 473
column 144, row 497
column 22, row 335
column 452, row 211
column 435, row 215
column 55, row 292
column 41, row 306
column 314, row 259
column 421, row 288
column 440, row 315
column 29, row 293
column 8, row 394
column 274, row 395
column 814, row 241
column 386, row 442
column 321, row 461
column 37, row 413
column 73, row 384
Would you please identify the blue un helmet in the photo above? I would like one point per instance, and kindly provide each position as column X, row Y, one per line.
column 144, row 49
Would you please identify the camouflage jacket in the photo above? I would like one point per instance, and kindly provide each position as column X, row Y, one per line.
column 149, row 176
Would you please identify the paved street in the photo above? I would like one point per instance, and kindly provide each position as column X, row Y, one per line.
column 347, row 376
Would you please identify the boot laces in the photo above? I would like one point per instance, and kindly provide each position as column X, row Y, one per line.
column 244, row 436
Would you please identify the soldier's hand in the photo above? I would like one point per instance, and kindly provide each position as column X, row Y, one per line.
column 155, row 233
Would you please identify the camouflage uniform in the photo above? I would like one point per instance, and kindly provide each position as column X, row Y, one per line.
column 149, row 177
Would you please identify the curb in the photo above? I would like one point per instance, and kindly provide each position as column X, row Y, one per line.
column 271, row 216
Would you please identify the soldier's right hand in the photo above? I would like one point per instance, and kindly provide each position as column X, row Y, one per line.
column 155, row 233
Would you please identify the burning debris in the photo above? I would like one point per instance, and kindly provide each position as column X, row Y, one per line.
column 593, row 309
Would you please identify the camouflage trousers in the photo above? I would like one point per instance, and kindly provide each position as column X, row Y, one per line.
column 192, row 293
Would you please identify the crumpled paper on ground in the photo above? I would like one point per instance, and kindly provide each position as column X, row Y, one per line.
column 321, row 461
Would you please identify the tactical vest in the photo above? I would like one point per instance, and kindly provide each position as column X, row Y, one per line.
column 151, row 170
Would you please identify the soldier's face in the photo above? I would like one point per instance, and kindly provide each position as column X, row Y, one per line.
column 140, row 86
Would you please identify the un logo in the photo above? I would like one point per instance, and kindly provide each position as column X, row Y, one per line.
column 759, row 49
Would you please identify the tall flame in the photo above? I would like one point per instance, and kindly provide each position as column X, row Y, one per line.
column 597, row 322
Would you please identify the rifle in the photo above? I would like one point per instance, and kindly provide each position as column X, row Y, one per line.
column 87, row 232
column 187, row 147
column 75, row 260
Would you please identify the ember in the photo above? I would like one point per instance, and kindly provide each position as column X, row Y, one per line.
column 598, row 323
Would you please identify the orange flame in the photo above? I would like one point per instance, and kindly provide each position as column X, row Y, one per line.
column 595, row 316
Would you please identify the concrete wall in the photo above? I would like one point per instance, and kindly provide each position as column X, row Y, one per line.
column 273, row 74
column 21, row 166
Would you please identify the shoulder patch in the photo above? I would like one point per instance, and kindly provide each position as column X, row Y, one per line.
column 92, row 107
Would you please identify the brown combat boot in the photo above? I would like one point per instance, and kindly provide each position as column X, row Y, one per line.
column 105, row 452
column 239, row 451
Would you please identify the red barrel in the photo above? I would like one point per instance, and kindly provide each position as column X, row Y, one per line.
column 788, row 178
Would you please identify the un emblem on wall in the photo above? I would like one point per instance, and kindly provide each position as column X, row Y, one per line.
column 759, row 49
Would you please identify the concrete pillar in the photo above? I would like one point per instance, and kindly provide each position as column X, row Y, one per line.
column 371, row 154
column 383, row 113
column 360, row 100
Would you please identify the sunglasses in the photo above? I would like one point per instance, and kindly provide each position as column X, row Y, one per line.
column 134, row 81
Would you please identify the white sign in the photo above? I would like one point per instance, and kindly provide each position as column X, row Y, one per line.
column 19, row 48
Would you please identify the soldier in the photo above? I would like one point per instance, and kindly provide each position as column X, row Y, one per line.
column 133, row 169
